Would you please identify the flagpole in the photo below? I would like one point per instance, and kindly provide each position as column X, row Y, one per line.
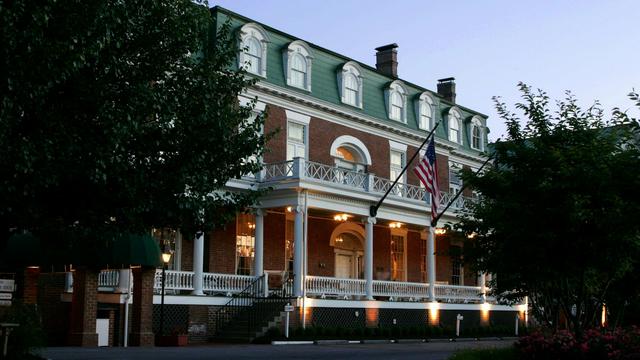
column 373, row 210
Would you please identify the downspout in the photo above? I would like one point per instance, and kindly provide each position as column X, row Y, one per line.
column 127, row 298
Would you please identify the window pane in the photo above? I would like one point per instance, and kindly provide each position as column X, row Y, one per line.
column 396, row 159
column 245, row 242
column 296, row 132
column 397, row 258
column 298, row 70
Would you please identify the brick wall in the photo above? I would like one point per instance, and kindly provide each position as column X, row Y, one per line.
column 186, row 261
column 142, row 312
column 381, row 252
column 55, row 313
column 84, row 308
column 413, row 256
column 222, row 243
column 443, row 260
column 274, row 241
column 276, row 148
column 321, row 255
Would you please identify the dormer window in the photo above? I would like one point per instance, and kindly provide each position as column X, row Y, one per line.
column 253, row 49
column 350, row 84
column 297, row 65
column 477, row 134
column 396, row 99
column 454, row 120
column 424, row 111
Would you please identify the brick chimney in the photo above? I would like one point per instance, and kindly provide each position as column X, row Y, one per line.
column 387, row 60
column 447, row 89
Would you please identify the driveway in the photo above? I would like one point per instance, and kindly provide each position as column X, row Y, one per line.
column 422, row 351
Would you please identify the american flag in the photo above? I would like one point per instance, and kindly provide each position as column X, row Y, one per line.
column 427, row 171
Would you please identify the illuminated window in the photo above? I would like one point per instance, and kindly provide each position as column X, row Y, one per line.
column 289, row 247
column 423, row 260
column 245, row 243
column 397, row 258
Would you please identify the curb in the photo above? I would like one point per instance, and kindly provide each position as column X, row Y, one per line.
column 331, row 342
column 292, row 343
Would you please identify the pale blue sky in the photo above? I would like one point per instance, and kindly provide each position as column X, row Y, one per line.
column 589, row 47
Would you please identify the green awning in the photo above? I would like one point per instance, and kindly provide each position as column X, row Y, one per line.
column 23, row 249
column 134, row 249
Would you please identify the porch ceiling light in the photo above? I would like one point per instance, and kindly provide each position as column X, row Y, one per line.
column 471, row 236
column 341, row 217
column 395, row 225
column 440, row 231
column 289, row 208
column 252, row 225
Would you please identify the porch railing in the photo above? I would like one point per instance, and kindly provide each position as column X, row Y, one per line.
column 226, row 283
column 108, row 278
column 322, row 286
column 299, row 168
column 174, row 280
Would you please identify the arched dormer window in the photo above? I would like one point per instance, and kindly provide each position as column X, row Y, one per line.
column 396, row 100
column 424, row 111
column 350, row 84
column 477, row 134
column 253, row 49
column 297, row 65
column 454, row 122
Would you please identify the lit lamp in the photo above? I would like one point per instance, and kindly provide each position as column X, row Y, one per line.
column 166, row 257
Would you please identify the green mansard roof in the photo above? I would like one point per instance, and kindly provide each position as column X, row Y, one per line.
column 324, row 83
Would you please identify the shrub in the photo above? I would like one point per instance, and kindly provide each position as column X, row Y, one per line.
column 27, row 337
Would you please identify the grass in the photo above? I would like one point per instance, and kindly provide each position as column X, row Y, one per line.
column 485, row 354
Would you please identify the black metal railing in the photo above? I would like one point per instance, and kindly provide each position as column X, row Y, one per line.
column 252, row 308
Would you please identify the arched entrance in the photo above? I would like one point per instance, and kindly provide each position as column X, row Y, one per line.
column 348, row 246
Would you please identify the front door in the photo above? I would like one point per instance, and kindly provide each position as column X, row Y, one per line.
column 344, row 266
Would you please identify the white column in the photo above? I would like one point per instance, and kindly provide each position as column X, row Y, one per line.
column 368, row 256
column 258, row 264
column 298, row 256
column 483, row 286
column 198, row 263
column 123, row 281
column 431, row 263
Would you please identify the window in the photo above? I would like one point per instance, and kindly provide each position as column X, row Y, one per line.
column 423, row 260
column 396, row 100
column 477, row 134
column 350, row 84
column 457, row 268
column 169, row 241
column 245, row 243
column 289, row 247
column 397, row 258
column 454, row 126
column 297, row 65
column 296, row 140
column 253, row 49
column 455, row 182
column 396, row 164
column 425, row 111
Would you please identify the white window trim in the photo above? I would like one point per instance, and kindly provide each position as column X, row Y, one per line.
column 354, row 69
column 354, row 142
column 301, row 119
column 256, row 31
column 454, row 115
column 428, row 99
column 399, row 147
column 475, row 121
column 396, row 87
column 303, row 49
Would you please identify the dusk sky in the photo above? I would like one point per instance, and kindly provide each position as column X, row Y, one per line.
column 588, row 47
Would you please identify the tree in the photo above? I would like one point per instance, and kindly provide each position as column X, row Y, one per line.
column 557, row 216
column 119, row 116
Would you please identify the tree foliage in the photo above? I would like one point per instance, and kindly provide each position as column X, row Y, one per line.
column 557, row 219
column 120, row 115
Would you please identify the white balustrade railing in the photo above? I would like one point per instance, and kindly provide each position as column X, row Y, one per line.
column 397, row 289
column 329, row 286
column 108, row 278
column 226, row 283
column 458, row 293
column 300, row 168
column 174, row 280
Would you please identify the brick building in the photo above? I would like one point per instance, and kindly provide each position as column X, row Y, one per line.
column 346, row 130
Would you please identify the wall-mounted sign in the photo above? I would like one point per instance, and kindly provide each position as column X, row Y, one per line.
column 7, row 285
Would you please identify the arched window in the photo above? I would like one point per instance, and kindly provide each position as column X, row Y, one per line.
column 297, row 65
column 397, row 101
column 253, row 49
column 454, row 126
column 477, row 136
column 350, row 153
column 350, row 84
column 425, row 111
column 298, row 71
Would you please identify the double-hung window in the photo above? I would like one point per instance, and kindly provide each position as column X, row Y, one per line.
column 296, row 140
column 245, row 243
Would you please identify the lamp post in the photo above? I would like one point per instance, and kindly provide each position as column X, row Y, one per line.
column 166, row 256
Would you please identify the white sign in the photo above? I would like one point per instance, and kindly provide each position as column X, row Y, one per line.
column 5, row 296
column 5, row 302
column 288, row 308
column 7, row 285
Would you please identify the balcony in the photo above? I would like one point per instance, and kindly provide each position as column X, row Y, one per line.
column 364, row 183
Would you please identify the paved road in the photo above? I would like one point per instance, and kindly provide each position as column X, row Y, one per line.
column 422, row 351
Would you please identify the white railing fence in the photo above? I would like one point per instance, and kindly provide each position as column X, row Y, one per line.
column 108, row 278
column 398, row 289
column 458, row 293
column 226, row 283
